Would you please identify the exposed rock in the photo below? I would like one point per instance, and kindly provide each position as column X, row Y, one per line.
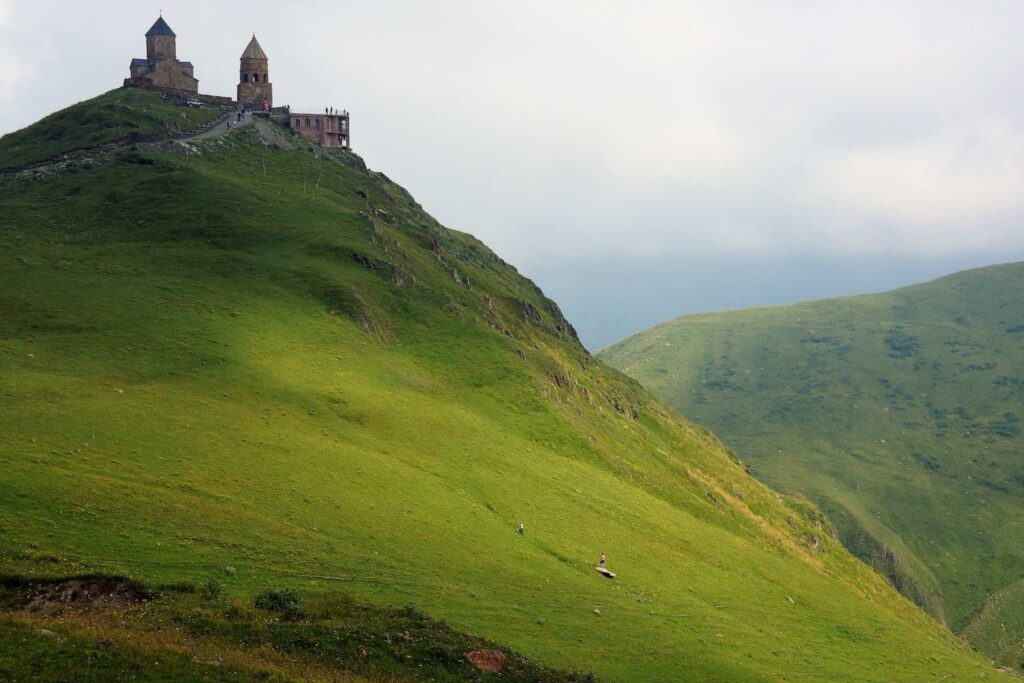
column 272, row 135
column 365, row 261
column 529, row 312
column 402, row 278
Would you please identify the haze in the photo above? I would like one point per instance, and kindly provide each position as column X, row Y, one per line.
column 638, row 160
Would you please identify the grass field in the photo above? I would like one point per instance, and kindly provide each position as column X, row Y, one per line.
column 899, row 414
column 272, row 369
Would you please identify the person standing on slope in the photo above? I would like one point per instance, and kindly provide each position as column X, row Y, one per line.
column 522, row 529
column 601, row 561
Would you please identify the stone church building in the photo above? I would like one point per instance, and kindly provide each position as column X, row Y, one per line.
column 161, row 68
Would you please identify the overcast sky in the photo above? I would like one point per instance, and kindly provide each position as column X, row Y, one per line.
column 639, row 160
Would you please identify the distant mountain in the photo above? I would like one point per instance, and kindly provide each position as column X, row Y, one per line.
column 250, row 365
column 899, row 414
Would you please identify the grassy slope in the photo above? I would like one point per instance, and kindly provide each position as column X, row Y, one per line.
column 210, row 369
column 116, row 115
column 999, row 624
column 32, row 653
column 181, row 633
column 898, row 413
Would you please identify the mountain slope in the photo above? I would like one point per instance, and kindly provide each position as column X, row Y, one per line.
column 117, row 116
column 270, row 367
column 898, row 413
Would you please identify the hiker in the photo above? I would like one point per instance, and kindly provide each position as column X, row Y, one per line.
column 522, row 529
column 601, row 562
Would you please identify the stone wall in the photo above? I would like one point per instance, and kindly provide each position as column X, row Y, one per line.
column 252, row 95
column 145, row 83
column 168, row 74
column 217, row 100
column 171, row 74
column 160, row 47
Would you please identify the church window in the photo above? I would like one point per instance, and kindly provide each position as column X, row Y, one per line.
column 307, row 123
column 255, row 78
column 316, row 123
column 245, row 78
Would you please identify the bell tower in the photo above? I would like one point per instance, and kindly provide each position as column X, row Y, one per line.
column 255, row 90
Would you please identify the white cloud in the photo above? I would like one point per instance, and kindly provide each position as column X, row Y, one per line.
column 604, row 127
column 973, row 172
column 14, row 65
column 958, row 188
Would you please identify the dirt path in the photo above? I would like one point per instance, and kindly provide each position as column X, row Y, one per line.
column 220, row 128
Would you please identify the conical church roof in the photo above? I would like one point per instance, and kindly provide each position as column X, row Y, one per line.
column 160, row 28
column 253, row 50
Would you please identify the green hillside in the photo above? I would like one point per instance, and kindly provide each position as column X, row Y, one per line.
column 897, row 413
column 258, row 363
column 109, row 629
column 118, row 116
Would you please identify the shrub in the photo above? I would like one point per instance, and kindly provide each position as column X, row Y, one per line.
column 284, row 602
column 900, row 344
column 212, row 590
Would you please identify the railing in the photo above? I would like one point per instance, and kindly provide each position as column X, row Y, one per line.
column 317, row 112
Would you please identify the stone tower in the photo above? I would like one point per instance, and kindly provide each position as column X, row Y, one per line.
column 160, row 42
column 161, row 68
column 255, row 90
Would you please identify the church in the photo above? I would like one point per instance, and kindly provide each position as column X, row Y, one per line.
column 162, row 70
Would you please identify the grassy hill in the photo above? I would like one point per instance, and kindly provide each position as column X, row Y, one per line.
column 117, row 116
column 266, row 366
column 899, row 414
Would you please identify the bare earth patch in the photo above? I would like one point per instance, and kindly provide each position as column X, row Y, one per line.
column 487, row 660
column 93, row 593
